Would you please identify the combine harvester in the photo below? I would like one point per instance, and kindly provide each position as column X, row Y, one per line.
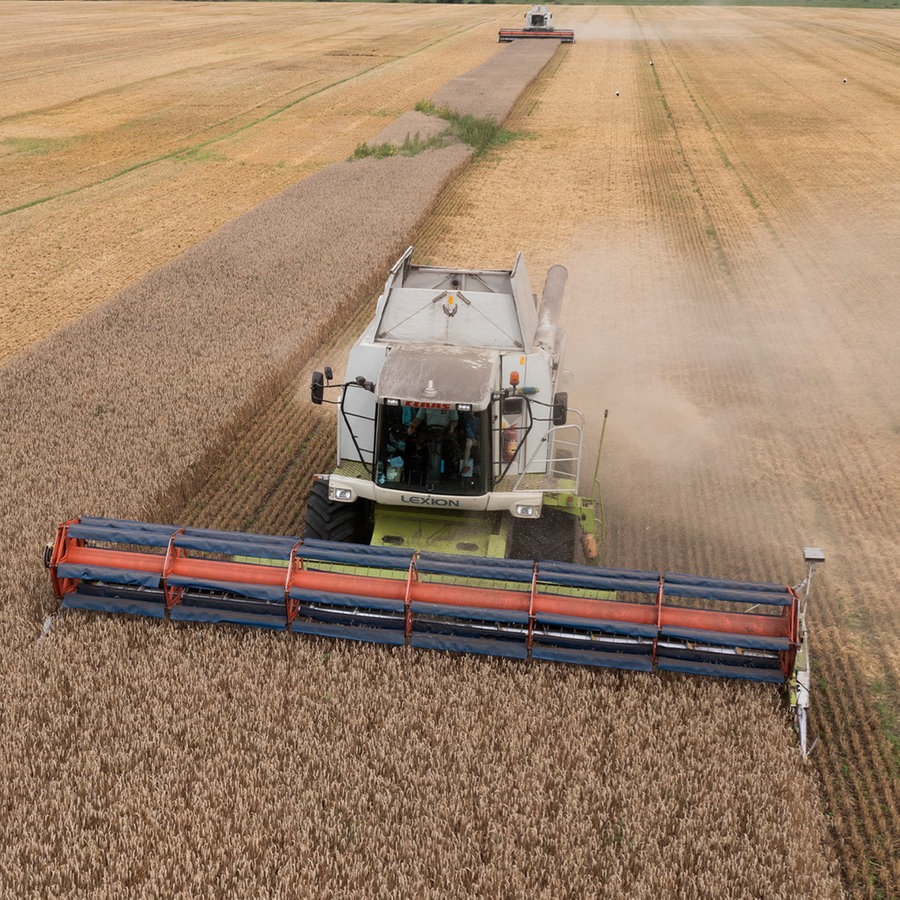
column 458, row 465
column 538, row 24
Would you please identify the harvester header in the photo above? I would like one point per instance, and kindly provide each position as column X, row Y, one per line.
column 520, row 609
column 514, row 608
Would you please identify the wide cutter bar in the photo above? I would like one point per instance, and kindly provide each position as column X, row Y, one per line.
column 564, row 35
column 514, row 608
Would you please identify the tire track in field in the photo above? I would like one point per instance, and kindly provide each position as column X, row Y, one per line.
column 701, row 223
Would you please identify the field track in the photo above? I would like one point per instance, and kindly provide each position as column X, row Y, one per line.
column 725, row 220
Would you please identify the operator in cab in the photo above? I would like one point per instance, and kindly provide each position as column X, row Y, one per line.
column 434, row 418
column 438, row 441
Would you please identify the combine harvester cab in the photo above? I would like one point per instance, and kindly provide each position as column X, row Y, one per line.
column 436, row 527
column 538, row 25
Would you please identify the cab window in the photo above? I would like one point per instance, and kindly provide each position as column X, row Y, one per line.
column 440, row 451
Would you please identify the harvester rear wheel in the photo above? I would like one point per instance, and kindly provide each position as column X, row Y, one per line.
column 329, row 521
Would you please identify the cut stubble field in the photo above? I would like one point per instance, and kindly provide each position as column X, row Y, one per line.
column 725, row 215
column 126, row 137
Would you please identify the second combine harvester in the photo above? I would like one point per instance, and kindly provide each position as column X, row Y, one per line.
column 538, row 25
column 452, row 517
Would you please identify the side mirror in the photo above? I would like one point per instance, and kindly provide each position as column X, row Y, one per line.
column 329, row 375
column 317, row 388
column 560, row 408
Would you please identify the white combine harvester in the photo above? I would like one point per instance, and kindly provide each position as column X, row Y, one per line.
column 451, row 404
column 451, row 517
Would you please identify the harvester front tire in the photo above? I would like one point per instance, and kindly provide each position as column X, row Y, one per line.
column 326, row 520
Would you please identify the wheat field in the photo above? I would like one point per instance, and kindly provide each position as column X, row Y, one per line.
column 704, row 309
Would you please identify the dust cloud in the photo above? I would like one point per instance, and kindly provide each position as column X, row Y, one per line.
column 604, row 25
column 603, row 30
column 739, row 415
column 629, row 347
